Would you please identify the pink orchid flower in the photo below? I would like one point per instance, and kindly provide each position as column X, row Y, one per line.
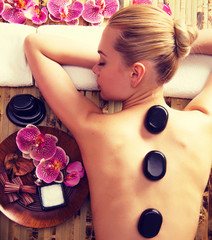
column 142, row 2
column 50, row 170
column 37, row 145
column 14, row 11
column 96, row 10
column 37, row 15
column 1, row 6
column 65, row 10
column 75, row 172
column 166, row 8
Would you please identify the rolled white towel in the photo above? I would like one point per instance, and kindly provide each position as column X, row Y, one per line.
column 186, row 83
column 190, row 77
column 91, row 34
column 14, row 70
column 83, row 78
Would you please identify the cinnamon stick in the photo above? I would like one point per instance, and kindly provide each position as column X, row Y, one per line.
column 11, row 196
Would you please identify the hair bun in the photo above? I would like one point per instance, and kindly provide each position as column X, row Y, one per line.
column 184, row 37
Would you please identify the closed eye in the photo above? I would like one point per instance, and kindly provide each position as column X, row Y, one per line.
column 101, row 64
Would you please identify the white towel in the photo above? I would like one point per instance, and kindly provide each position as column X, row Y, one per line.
column 14, row 71
column 190, row 77
column 83, row 78
column 187, row 82
column 91, row 34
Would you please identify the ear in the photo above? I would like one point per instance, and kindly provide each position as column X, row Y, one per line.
column 137, row 73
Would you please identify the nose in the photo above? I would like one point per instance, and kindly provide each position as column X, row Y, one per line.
column 95, row 69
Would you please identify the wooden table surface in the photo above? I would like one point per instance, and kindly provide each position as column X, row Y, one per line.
column 78, row 227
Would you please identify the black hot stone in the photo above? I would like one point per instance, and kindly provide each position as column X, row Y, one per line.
column 149, row 223
column 156, row 119
column 24, row 109
column 154, row 165
column 22, row 104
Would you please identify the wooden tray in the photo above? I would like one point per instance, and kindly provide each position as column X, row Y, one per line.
column 33, row 215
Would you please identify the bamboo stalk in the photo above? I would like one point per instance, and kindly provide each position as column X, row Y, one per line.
column 160, row 2
column 154, row 2
column 9, row 230
column 183, row 10
column 209, row 13
column 118, row 107
column 188, row 12
column 47, row 233
column 11, row 126
column 5, row 122
column 177, row 9
column 126, row 3
column 84, row 212
column 199, row 5
column 5, row 230
column 179, row 104
column 172, row 6
column 205, row 12
column 194, row 13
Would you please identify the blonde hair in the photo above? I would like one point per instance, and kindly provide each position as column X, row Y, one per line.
column 148, row 33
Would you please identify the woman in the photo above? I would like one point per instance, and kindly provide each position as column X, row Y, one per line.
column 139, row 51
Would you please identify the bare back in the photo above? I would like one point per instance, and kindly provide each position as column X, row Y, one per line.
column 113, row 153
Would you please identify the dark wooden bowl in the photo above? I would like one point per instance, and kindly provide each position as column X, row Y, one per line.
column 33, row 215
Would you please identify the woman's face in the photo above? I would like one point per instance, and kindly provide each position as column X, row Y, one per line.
column 113, row 76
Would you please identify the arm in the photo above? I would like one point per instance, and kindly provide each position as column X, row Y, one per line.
column 203, row 43
column 45, row 54
column 203, row 101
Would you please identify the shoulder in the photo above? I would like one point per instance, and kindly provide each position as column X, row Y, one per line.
column 104, row 127
column 203, row 101
column 193, row 123
column 189, row 126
